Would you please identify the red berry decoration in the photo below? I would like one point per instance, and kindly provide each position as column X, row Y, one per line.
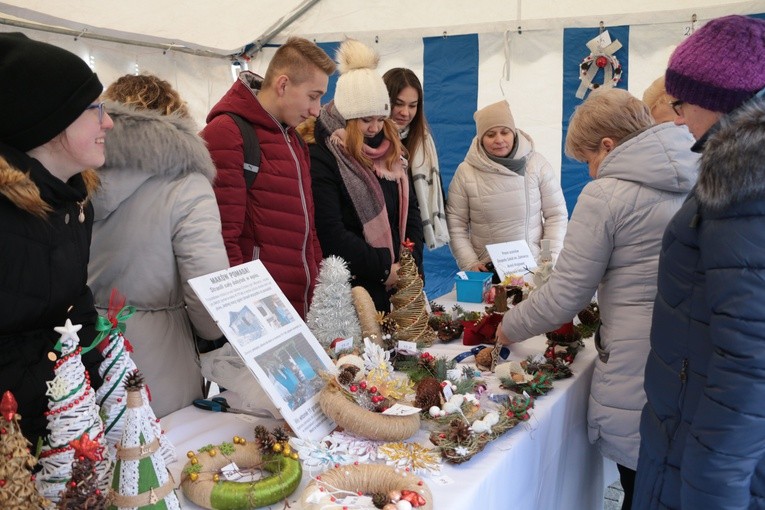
column 363, row 385
column 601, row 61
column 2, row 483
column 353, row 388
column 373, row 389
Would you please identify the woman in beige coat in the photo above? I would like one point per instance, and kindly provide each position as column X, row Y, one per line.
column 157, row 225
column 503, row 191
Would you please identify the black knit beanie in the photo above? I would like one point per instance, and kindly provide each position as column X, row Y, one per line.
column 43, row 89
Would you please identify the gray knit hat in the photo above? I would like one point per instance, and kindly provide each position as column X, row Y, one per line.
column 360, row 90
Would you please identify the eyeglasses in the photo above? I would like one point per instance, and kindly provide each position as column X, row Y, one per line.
column 100, row 107
column 677, row 106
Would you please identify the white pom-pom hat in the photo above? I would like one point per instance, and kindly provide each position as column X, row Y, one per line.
column 360, row 90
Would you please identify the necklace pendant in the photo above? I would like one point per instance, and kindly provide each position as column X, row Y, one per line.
column 81, row 216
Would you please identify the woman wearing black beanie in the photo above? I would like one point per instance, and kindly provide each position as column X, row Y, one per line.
column 51, row 136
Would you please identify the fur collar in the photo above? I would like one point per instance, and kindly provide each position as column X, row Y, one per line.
column 149, row 142
column 19, row 188
column 733, row 160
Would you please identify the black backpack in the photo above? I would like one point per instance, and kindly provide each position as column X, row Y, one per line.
column 251, row 146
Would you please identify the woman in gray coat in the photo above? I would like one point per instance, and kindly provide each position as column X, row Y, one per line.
column 642, row 174
column 157, row 225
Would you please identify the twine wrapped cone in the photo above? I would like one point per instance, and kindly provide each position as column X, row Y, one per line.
column 365, row 478
column 409, row 306
column 367, row 313
column 207, row 493
column 364, row 423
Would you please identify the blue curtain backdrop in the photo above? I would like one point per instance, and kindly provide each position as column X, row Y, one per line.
column 451, row 92
column 574, row 175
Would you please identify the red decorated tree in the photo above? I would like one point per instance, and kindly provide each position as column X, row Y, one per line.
column 82, row 491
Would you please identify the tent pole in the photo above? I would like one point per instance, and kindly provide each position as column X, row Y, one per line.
column 90, row 35
column 264, row 39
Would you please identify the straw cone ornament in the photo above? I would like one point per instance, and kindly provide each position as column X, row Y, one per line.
column 82, row 492
column 17, row 490
column 72, row 412
column 409, row 304
column 141, row 478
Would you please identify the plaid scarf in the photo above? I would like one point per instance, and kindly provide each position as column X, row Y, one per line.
column 362, row 184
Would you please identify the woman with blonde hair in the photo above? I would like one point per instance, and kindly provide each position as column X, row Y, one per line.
column 364, row 202
column 157, row 225
column 659, row 101
column 642, row 173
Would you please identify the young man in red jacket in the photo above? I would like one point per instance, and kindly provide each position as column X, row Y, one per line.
column 272, row 220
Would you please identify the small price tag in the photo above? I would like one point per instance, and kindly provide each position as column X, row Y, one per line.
column 461, row 275
column 401, row 410
column 231, row 472
column 447, row 389
column 407, row 346
column 356, row 501
column 344, row 345
column 442, row 480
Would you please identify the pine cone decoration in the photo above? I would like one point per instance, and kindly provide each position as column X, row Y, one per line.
column 428, row 393
column 281, row 435
column 590, row 316
column 347, row 374
column 264, row 438
column 379, row 499
column 134, row 381
column 458, row 431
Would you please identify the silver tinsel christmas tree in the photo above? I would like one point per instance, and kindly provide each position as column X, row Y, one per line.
column 332, row 314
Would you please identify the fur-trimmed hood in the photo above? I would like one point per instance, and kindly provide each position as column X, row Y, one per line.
column 21, row 190
column 144, row 144
column 733, row 159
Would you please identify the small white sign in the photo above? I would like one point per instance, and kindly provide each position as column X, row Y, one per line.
column 401, row 410
column 406, row 346
column 442, row 480
column 512, row 257
column 447, row 390
column 344, row 345
column 231, row 472
column 356, row 502
column 462, row 275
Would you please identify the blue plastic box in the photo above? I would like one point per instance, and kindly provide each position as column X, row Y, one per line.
column 474, row 288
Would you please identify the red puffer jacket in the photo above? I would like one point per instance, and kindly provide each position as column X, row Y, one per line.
column 273, row 220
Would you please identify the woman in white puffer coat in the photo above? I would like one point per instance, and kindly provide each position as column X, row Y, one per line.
column 503, row 191
column 642, row 173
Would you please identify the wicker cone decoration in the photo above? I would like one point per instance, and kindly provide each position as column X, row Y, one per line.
column 409, row 306
column 363, row 478
column 365, row 423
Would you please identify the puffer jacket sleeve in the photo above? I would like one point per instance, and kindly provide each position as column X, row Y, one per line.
column 364, row 261
column 458, row 218
column 582, row 262
column 727, row 438
column 227, row 150
column 554, row 209
column 197, row 245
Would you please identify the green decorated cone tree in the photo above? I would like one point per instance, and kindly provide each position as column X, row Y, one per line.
column 17, row 486
column 141, row 479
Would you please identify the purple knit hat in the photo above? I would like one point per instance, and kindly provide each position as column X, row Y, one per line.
column 721, row 65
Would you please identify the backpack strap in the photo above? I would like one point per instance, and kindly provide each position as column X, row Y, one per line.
column 251, row 147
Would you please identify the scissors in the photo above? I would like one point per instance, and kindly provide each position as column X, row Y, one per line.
column 220, row 405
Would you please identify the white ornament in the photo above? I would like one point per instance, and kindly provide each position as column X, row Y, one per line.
column 434, row 411
column 403, row 505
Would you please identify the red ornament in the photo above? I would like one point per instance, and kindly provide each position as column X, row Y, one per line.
column 373, row 389
column 363, row 385
column 354, row 388
column 601, row 61
column 2, row 483
column 8, row 406
column 408, row 244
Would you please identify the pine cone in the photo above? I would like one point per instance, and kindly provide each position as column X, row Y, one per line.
column 281, row 435
column 264, row 438
column 347, row 374
column 428, row 393
column 590, row 316
column 134, row 381
column 379, row 499
column 458, row 431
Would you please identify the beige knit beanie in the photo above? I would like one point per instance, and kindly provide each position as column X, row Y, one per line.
column 360, row 90
column 497, row 114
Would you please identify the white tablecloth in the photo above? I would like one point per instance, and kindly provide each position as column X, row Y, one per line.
column 545, row 463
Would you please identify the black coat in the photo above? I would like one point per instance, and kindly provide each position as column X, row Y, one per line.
column 43, row 279
column 341, row 233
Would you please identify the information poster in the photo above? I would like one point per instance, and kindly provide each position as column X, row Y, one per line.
column 272, row 339
column 513, row 257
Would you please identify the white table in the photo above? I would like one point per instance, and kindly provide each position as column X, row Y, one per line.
column 545, row 463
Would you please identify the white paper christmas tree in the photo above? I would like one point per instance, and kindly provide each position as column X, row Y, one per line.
column 332, row 314
column 112, row 396
column 141, row 478
column 72, row 411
